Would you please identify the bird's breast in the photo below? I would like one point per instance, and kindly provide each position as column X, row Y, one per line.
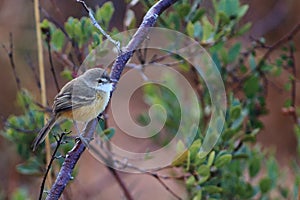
column 91, row 111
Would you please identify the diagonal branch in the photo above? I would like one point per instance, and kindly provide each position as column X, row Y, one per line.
column 73, row 155
column 279, row 43
column 10, row 54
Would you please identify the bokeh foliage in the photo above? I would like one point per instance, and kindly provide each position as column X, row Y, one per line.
column 237, row 168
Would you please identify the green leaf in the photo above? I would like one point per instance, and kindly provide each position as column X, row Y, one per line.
column 284, row 56
column 45, row 24
column 251, row 86
column 284, row 192
column 203, row 170
column 234, row 52
column 198, row 15
column 194, row 149
column 198, row 195
column 265, row 185
column 211, row 158
column 183, row 9
column 273, row 171
column 223, row 160
column 30, row 167
column 96, row 39
column 108, row 133
column 229, row 7
column 243, row 69
column 180, row 147
column 208, row 30
column 245, row 28
column 252, row 62
column 181, row 158
column 190, row 181
column 236, row 124
column 224, row 19
column 190, row 29
column 20, row 194
column 254, row 166
column 203, row 179
column 212, row 189
column 287, row 103
column 198, row 31
column 66, row 74
column 235, row 112
column 69, row 27
column 267, row 68
column 173, row 21
column 101, row 124
column 228, row 133
column 288, row 86
column 290, row 62
column 105, row 12
column 242, row 10
column 57, row 40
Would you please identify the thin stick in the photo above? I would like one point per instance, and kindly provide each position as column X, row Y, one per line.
column 95, row 23
column 48, row 40
column 166, row 187
column 33, row 69
column 279, row 43
column 59, row 142
column 10, row 54
column 42, row 77
column 121, row 183
column 57, row 24
column 112, row 170
column 294, row 85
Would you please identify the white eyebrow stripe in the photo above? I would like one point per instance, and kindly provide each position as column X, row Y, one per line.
column 104, row 80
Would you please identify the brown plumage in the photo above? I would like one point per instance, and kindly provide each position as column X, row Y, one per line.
column 81, row 99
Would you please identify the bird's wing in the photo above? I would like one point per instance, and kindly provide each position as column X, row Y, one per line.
column 74, row 94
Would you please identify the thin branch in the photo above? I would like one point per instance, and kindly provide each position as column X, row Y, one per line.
column 156, row 58
column 12, row 126
column 57, row 10
column 279, row 43
column 267, row 54
column 17, row 79
column 59, row 141
column 33, row 70
column 10, row 54
column 95, row 23
column 166, row 187
column 293, row 89
column 63, row 58
column 112, row 170
column 121, row 183
column 73, row 155
column 57, row 24
column 48, row 40
column 73, row 43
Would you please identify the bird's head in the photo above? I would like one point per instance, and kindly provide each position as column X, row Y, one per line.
column 99, row 79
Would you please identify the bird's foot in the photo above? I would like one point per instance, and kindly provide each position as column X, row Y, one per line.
column 85, row 140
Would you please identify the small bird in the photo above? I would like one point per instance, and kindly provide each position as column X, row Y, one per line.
column 82, row 99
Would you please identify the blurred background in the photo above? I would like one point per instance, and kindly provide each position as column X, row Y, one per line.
column 270, row 18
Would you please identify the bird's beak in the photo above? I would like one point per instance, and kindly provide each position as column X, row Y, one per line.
column 113, row 80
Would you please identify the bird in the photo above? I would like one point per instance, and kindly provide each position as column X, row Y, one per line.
column 81, row 100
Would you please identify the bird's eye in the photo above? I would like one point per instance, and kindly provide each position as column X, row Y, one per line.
column 102, row 80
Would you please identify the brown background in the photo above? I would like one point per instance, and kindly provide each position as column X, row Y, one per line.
column 270, row 18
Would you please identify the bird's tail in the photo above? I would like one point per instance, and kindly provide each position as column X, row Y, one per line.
column 43, row 132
